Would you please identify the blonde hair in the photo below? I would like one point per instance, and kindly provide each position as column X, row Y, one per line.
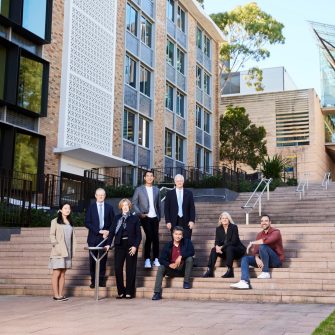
column 124, row 200
column 227, row 215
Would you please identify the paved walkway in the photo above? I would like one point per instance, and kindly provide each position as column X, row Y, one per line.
column 84, row 316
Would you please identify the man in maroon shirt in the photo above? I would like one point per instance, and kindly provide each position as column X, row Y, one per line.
column 176, row 259
column 267, row 252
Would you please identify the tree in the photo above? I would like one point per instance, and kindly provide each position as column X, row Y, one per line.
column 247, row 30
column 201, row 2
column 241, row 142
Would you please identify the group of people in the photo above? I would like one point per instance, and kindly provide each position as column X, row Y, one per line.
column 123, row 231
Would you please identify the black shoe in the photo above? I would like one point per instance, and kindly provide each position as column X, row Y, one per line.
column 120, row 296
column 208, row 274
column 92, row 286
column 128, row 296
column 186, row 285
column 102, row 285
column 229, row 273
column 157, row 296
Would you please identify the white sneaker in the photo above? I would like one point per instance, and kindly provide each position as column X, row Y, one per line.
column 147, row 264
column 241, row 285
column 156, row 262
column 264, row 275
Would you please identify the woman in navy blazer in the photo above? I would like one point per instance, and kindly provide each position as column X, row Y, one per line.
column 227, row 245
column 126, row 232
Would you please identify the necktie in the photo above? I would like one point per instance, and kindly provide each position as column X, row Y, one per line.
column 101, row 217
column 180, row 204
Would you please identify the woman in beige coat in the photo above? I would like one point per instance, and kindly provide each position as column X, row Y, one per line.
column 63, row 248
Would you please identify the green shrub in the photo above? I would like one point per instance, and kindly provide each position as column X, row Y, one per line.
column 122, row 191
column 292, row 182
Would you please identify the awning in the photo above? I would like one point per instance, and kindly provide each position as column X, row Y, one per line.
column 98, row 159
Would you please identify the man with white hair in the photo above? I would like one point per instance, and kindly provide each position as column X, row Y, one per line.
column 179, row 208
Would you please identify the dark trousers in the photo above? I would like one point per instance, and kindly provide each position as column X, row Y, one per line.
column 121, row 256
column 187, row 231
column 184, row 270
column 150, row 227
column 102, row 267
column 229, row 253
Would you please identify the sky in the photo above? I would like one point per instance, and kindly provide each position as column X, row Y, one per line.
column 299, row 55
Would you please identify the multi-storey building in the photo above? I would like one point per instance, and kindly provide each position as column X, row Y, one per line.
column 25, row 29
column 132, row 82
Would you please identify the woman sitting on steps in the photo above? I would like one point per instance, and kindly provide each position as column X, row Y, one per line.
column 227, row 245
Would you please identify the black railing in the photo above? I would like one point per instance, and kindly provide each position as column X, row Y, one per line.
column 15, row 201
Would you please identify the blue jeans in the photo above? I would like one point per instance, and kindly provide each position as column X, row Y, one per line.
column 269, row 258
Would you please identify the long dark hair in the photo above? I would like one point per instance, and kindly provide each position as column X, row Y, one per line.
column 60, row 216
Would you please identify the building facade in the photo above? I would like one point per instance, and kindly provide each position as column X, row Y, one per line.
column 294, row 126
column 125, row 83
column 25, row 29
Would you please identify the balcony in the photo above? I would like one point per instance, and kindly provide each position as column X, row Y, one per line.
column 130, row 96
column 171, row 28
column 207, row 101
column 129, row 151
column 170, row 73
column 145, row 105
column 143, row 156
column 181, row 81
column 148, row 7
column 198, row 135
column 146, row 54
column 132, row 43
column 181, row 38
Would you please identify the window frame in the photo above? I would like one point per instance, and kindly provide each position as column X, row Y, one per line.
column 169, row 89
column 148, row 82
column 170, row 4
column 145, row 28
column 181, row 65
column 170, row 61
column 128, row 5
column 207, row 122
column 127, row 76
column 198, row 112
column 180, row 104
column 125, row 136
column 168, row 135
column 179, row 145
column 181, row 19
column 146, row 137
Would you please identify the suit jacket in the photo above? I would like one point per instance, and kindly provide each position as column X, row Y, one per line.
column 93, row 225
column 57, row 239
column 186, row 250
column 133, row 229
column 171, row 207
column 232, row 237
column 140, row 201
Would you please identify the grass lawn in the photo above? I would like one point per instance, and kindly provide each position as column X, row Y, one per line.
column 327, row 326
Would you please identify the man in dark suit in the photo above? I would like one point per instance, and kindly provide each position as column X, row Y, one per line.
column 179, row 208
column 147, row 205
column 98, row 221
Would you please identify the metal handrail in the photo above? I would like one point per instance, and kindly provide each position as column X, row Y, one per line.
column 302, row 186
column 326, row 180
column 248, row 207
column 163, row 188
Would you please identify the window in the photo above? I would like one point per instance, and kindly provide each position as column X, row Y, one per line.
column 131, row 19
column 207, row 46
column 207, row 83
column 130, row 72
column 169, row 97
column 198, row 77
column 198, row 156
column 4, row 7
column 199, row 38
column 170, row 10
column 181, row 19
column 34, row 16
column 180, row 61
column 146, row 31
column 206, row 160
column 2, row 70
column 26, row 153
column 129, row 126
column 180, row 104
column 168, row 143
column 143, row 132
column 198, row 113
column 145, row 81
column 207, row 122
column 170, row 53
column 30, row 84
column 179, row 148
